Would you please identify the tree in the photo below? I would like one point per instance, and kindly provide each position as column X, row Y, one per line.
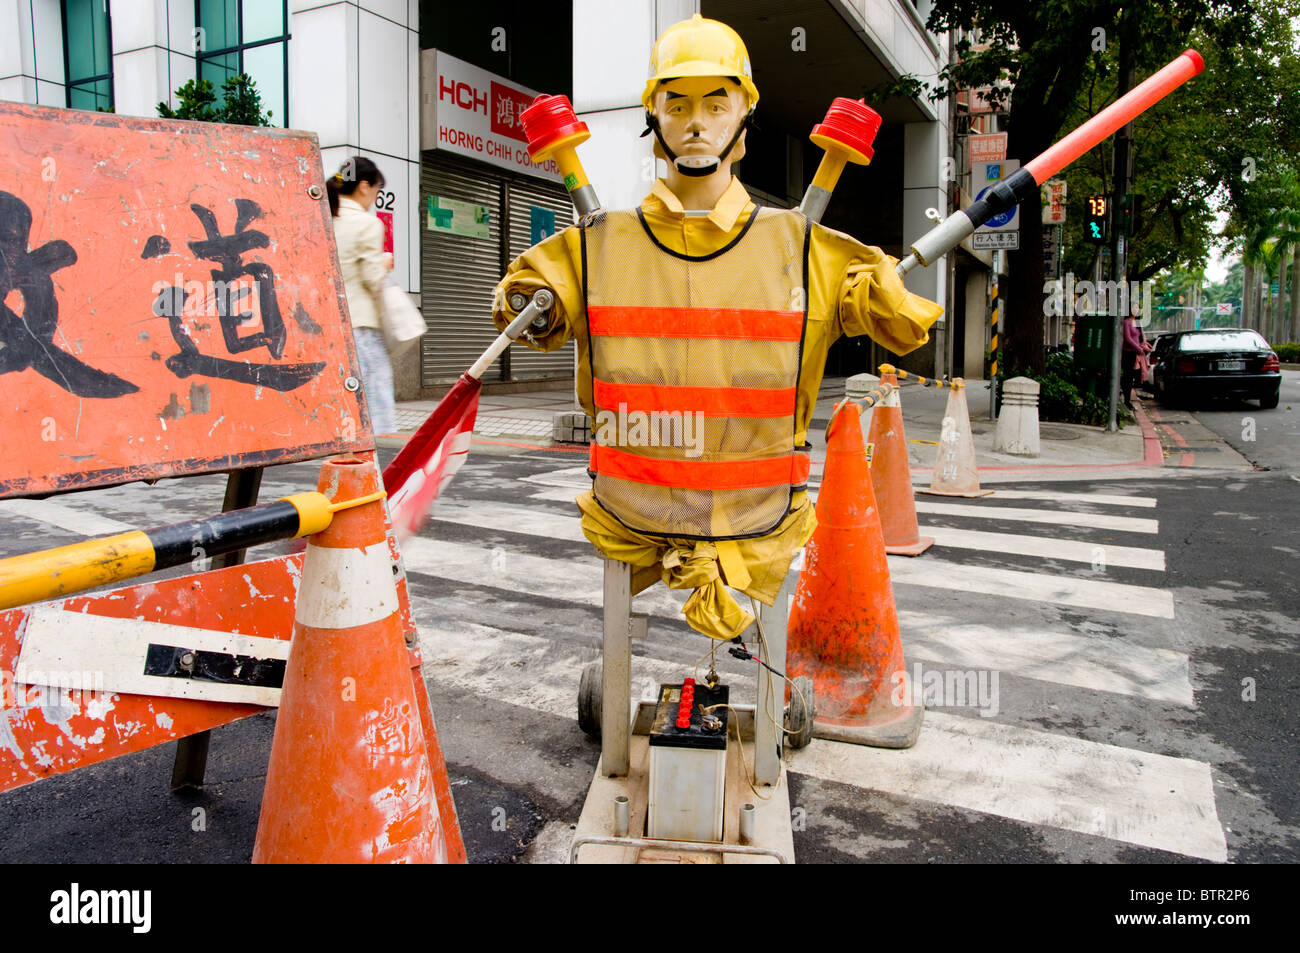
column 1053, row 53
column 240, row 105
column 1271, row 244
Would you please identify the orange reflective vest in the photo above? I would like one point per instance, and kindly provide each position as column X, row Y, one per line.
column 695, row 374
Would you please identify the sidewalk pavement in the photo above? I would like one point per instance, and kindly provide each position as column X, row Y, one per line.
column 523, row 420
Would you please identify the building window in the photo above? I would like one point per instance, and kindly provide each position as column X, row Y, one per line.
column 247, row 36
column 88, row 54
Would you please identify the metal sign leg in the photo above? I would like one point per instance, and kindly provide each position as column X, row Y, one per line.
column 768, row 736
column 616, row 687
column 191, row 764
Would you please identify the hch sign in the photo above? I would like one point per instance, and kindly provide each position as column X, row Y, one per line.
column 474, row 113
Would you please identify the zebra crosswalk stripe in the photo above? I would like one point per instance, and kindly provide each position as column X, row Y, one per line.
column 1048, row 547
column 1038, row 777
column 1101, row 499
column 1096, row 663
column 71, row 518
column 1017, row 584
column 1025, row 774
column 1124, row 524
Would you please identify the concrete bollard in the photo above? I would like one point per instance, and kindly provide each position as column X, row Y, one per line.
column 856, row 388
column 1017, row 432
column 571, row 426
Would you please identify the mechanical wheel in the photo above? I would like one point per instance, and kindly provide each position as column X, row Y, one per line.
column 589, row 689
column 1270, row 401
column 798, row 718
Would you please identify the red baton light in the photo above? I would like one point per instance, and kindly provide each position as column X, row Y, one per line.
column 848, row 134
column 554, row 131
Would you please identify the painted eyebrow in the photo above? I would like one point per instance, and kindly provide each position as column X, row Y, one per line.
column 669, row 94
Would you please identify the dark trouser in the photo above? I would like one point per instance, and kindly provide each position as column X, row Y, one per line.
column 1128, row 374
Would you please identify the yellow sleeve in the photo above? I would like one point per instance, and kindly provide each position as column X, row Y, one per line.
column 865, row 293
column 556, row 264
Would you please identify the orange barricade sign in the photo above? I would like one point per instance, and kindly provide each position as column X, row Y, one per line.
column 72, row 704
column 170, row 302
column 58, row 716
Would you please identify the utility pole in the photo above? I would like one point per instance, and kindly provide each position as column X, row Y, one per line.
column 1123, row 178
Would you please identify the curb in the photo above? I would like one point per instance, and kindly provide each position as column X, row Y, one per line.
column 1186, row 457
column 1155, row 454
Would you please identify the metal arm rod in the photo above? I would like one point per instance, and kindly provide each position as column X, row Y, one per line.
column 536, row 310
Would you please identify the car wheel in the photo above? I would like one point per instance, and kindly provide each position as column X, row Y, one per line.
column 589, row 699
column 800, row 715
column 1270, row 401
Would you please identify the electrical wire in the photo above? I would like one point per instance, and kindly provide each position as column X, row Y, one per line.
column 762, row 638
column 766, row 703
column 750, row 777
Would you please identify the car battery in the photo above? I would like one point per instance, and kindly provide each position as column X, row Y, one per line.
column 688, row 763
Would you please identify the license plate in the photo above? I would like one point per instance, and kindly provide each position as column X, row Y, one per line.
column 1232, row 365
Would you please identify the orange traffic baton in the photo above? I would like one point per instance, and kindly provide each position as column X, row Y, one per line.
column 891, row 477
column 843, row 630
column 350, row 778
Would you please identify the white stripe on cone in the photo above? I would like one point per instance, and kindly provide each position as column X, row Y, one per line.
column 343, row 588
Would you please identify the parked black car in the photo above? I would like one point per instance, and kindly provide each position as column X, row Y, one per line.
column 1216, row 362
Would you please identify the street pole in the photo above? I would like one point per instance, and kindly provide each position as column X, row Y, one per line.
column 995, row 320
column 1123, row 186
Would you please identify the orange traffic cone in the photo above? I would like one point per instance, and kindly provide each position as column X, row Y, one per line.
column 350, row 779
column 955, row 471
column 891, row 477
column 843, row 628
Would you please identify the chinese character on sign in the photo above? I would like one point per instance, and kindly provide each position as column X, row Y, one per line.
column 27, row 340
column 1054, row 193
column 506, row 112
column 988, row 148
column 229, row 289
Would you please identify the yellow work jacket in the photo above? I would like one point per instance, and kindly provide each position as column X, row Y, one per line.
column 851, row 289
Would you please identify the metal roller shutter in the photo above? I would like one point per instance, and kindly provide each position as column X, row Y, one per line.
column 458, row 273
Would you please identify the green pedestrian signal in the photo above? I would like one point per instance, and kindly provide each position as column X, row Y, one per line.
column 1094, row 227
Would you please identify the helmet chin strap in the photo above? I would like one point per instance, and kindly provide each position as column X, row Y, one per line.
column 704, row 165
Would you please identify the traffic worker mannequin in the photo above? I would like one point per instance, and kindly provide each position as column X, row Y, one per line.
column 702, row 325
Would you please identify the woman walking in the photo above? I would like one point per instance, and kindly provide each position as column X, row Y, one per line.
column 364, row 264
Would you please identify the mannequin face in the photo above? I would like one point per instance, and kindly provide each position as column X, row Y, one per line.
column 698, row 115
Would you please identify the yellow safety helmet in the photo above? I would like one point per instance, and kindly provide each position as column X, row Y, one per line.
column 699, row 47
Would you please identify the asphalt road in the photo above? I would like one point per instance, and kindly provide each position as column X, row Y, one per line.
column 1267, row 438
column 1113, row 680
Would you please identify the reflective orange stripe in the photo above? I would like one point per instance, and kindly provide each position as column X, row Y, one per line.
column 710, row 401
column 734, row 323
column 791, row 470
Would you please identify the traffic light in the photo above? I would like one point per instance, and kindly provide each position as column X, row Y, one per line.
column 1094, row 227
column 1130, row 214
